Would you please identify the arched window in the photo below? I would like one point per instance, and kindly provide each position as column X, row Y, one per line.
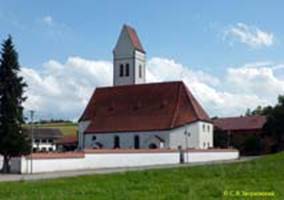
column 136, row 142
column 127, row 70
column 121, row 70
column 116, row 142
column 140, row 71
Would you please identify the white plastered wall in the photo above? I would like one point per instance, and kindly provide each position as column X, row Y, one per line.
column 140, row 61
column 82, row 126
column 127, row 139
column 195, row 137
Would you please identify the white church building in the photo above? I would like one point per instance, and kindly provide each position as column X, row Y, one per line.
column 133, row 114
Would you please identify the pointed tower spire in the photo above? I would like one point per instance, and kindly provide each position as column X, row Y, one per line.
column 129, row 58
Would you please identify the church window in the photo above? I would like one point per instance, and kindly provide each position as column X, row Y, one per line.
column 121, row 70
column 136, row 142
column 116, row 142
column 140, row 71
column 127, row 70
column 208, row 128
column 204, row 128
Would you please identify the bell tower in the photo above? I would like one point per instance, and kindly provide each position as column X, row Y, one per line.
column 129, row 59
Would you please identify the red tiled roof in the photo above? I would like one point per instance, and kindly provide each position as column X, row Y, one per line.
column 246, row 123
column 44, row 133
column 163, row 150
column 56, row 155
column 143, row 107
column 134, row 38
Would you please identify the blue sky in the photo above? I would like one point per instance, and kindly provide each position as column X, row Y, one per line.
column 188, row 31
column 203, row 36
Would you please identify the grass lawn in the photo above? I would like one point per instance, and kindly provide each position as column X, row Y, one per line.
column 65, row 128
column 200, row 182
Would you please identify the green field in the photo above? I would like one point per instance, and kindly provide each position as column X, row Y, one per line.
column 65, row 128
column 199, row 182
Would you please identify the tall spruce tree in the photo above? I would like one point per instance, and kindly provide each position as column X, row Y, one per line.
column 13, row 142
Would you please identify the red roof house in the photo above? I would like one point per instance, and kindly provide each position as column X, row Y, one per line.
column 243, row 133
column 246, row 124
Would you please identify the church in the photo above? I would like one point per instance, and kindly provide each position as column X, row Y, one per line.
column 133, row 114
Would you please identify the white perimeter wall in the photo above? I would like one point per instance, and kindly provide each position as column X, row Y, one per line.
column 113, row 160
column 95, row 161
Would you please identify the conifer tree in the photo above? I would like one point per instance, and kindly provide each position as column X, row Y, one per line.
column 13, row 142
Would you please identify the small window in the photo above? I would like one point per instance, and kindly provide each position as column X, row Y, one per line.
column 121, row 70
column 50, row 141
column 36, row 140
column 44, row 141
column 116, row 142
column 208, row 128
column 204, row 144
column 140, row 71
column 208, row 144
column 50, row 149
column 94, row 138
column 43, row 149
column 127, row 70
column 136, row 142
column 204, row 128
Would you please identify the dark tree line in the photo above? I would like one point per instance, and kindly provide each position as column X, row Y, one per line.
column 274, row 127
column 12, row 140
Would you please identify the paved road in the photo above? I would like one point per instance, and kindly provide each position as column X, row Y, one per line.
column 53, row 175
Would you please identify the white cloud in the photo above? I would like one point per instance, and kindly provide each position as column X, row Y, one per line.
column 48, row 20
column 260, row 81
column 215, row 94
column 249, row 35
column 62, row 90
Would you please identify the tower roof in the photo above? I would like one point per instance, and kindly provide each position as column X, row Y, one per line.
column 144, row 107
column 134, row 38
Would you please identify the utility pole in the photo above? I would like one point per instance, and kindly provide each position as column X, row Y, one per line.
column 32, row 137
